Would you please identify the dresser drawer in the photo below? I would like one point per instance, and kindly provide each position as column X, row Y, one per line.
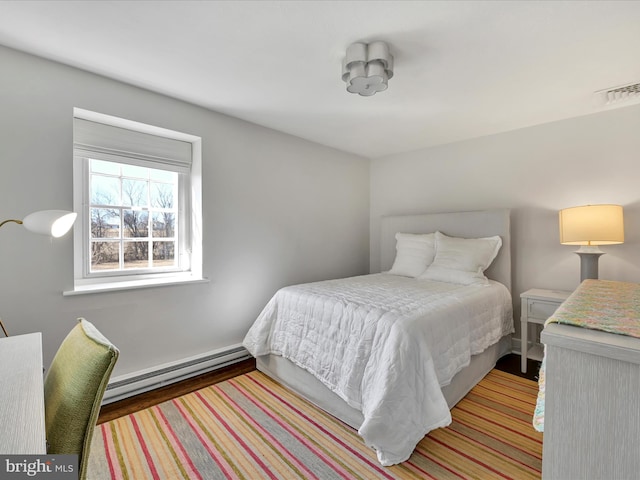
column 541, row 310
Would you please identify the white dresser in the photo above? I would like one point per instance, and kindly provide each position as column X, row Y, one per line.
column 21, row 395
column 592, row 401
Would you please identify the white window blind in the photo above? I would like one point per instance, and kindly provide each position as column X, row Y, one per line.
column 149, row 150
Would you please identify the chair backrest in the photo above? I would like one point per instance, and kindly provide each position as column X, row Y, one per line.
column 73, row 391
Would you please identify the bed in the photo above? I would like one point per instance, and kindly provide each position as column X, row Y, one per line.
column 389, row 354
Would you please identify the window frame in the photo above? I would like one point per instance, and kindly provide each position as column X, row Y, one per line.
column 189, row 241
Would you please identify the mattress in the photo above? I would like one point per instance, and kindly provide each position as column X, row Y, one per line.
column 386, row 345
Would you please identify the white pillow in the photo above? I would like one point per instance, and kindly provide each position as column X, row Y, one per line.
column 462, row 260
column 414, row 253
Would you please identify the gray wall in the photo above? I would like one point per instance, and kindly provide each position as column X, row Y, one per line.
column 280, row 210
column 277, row 210
column 535, row 172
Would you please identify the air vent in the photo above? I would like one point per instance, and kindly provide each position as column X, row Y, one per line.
column 620, row 95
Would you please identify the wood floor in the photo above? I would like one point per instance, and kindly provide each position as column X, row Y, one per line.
column 509, row 363
column 145, row 400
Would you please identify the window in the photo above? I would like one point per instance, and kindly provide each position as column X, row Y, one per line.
column 133, row 212
column 137, row 195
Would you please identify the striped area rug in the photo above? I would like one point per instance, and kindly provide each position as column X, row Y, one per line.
column 250, row 427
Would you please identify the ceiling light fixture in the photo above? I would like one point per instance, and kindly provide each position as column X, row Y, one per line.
column 367, row 68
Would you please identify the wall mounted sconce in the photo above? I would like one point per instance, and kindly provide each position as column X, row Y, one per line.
column 367, row 68
column 590, row 226
column 54, row 223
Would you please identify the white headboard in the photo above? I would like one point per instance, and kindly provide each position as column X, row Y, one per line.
column 483, row 223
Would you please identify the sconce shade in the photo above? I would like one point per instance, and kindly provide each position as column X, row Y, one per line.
column 54, row 223
column 592, row 225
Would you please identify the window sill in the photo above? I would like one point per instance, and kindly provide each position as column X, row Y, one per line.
column 131, row 285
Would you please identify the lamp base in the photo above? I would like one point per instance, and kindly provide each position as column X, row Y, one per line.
column 589, row 256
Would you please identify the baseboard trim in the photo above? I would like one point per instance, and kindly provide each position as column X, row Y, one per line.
column 135, row 383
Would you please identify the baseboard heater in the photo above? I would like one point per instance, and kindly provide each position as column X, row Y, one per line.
column 142, row 381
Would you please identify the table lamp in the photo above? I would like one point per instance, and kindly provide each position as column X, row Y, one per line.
column 54, row 223
column 590, row 226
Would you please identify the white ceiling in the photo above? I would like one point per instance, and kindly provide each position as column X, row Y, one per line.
column 463, row 69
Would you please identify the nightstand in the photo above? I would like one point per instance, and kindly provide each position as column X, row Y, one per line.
column 537, row 306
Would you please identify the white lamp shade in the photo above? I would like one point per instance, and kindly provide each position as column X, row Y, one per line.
column 54, row 223
column 592, row 225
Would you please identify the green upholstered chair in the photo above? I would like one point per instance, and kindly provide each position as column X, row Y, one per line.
column 73, row 391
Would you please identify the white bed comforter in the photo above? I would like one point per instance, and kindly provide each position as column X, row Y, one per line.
column 385, row 344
